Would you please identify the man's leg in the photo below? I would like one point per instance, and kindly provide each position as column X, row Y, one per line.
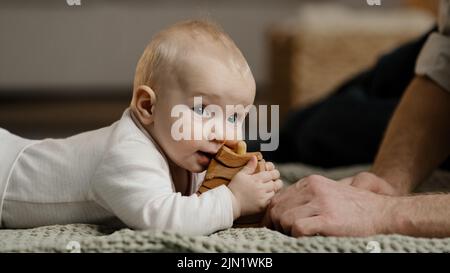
column 343, row 130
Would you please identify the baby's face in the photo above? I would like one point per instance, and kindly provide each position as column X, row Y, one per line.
column 217, row 84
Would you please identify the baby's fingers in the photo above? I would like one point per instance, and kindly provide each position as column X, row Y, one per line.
column 278, row 185
column 250, row 167
column 270, row 166
column 273, row 186
column 266, row 176
column 268, row 197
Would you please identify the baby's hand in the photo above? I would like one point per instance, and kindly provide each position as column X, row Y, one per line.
column 252, row 192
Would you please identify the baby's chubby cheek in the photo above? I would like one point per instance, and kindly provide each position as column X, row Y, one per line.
column 196, row 154
column 185, row 153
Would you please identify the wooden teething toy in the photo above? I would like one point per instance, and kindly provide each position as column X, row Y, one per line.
column 224, row 166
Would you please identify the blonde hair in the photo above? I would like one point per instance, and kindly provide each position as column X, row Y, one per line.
column 162, row 51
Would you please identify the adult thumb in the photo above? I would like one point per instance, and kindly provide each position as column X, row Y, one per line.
column 251, row 166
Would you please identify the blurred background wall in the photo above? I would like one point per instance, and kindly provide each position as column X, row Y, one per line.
column 65, row 69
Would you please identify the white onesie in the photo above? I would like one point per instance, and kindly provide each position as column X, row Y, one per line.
column 113, row 175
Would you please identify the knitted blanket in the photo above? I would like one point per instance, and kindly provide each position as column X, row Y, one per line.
column 91, row 238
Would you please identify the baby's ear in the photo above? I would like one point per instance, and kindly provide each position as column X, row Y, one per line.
column 143, row 103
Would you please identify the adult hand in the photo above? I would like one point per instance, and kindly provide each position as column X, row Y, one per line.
column 318, row 205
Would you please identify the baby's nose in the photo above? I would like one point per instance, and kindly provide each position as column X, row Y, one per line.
column 216, row 136
column 223, row 134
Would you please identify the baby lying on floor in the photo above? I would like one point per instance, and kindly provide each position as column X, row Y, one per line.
column 134, row 173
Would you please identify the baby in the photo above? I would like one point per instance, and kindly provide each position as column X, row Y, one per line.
column 134, row 173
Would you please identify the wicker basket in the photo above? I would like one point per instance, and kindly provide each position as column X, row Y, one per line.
column 324, row 45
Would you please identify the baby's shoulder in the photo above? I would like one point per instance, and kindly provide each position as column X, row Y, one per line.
column 128, row 145
column 131, row 158
column 135, row 146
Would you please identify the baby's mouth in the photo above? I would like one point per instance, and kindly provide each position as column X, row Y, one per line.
column 204, row 157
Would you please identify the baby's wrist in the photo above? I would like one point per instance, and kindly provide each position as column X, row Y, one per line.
column 236, row 206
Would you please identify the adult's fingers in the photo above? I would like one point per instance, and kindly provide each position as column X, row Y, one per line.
column 289, row 197
column 365, row 185
column 286, row 200
column 301, row 183
column 347, row 180
column 288, row 218
column 308, row 227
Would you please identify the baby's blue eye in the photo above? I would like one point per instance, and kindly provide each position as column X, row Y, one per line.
column 233, row 118
column 200, row 110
